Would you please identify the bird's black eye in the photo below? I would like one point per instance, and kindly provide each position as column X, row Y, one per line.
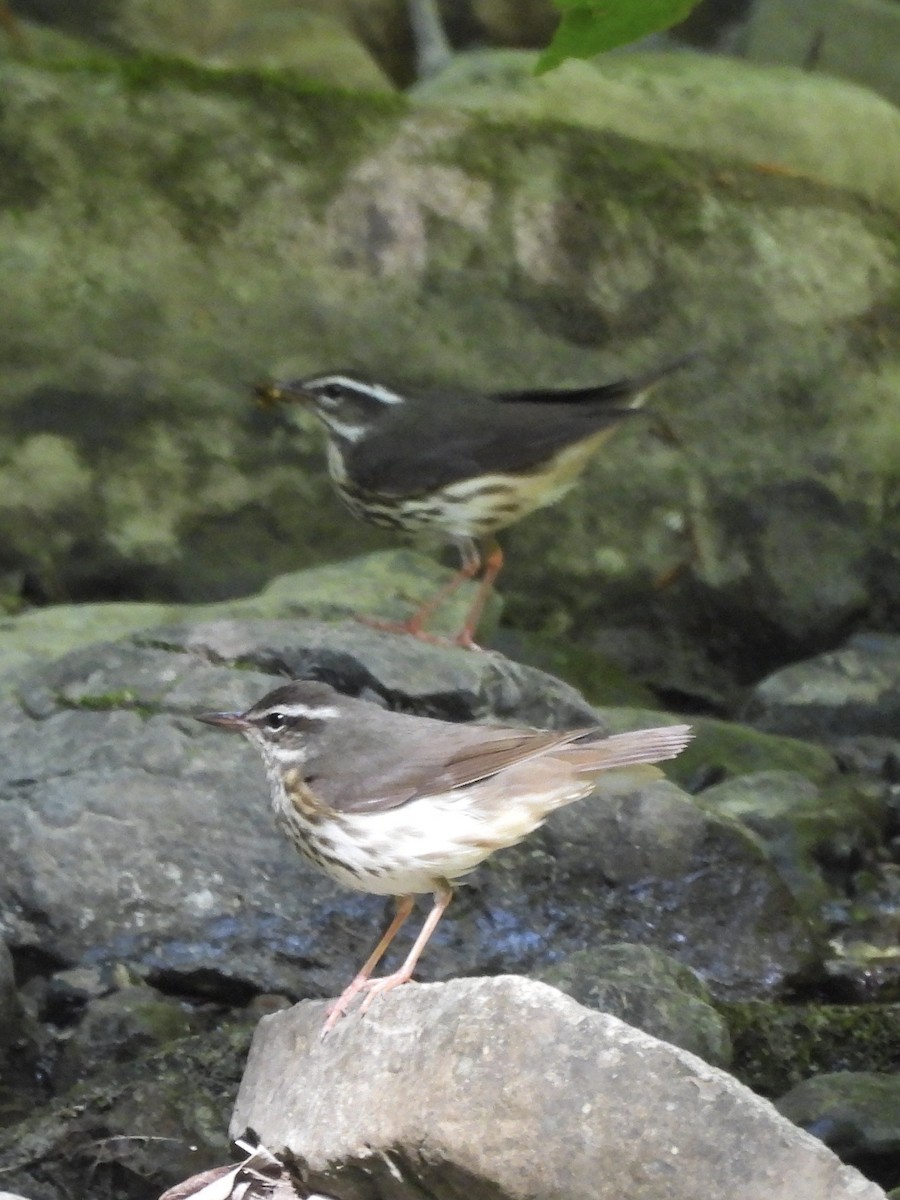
column 332, row 391
column 275, row 721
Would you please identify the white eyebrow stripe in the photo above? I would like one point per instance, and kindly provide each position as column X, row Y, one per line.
column 375, row 390
column 325, row 713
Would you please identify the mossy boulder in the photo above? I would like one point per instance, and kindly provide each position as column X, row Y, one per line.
column 814, row 835
column 211, row 227
column 777, row 1046
column 648, row 989
column 780, row 119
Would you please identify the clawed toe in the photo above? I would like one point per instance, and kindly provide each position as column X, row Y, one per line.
column 413, row 628
column 410, row 627
column 338, row 1008
column 380, row 987
column 373, row 988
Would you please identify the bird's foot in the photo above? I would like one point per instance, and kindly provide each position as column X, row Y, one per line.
column 338, row 1008
column 375, row 987
column 466, row 639
column 413, row 628
column 380, row 987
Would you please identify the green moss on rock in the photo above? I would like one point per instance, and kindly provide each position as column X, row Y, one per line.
column 776, row 1046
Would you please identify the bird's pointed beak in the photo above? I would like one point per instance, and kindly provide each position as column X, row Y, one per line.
column 268, row 395
column 233, row 722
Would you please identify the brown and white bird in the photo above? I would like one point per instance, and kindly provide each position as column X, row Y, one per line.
column 460, row 464
column 397, row 805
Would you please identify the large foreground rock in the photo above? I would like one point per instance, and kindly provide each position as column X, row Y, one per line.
column 505, row 1088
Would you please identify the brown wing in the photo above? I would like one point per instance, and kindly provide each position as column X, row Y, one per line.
column 512, row 746
column 436, row 766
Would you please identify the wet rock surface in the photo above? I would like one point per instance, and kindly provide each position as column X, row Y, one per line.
column 145, row 892
column 135, row 1128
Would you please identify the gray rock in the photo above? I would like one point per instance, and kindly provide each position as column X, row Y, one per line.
column 274, row 34
column 856, row 1113
column 119, row 1028
column 386, row 585
column 130, row 833
column 807, row 574
column 844, row 693
column 136, row 1128
column 807, row 829
column 647, row 989
column 506, row 1088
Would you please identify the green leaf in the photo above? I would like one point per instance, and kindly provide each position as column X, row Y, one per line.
column 589, row 27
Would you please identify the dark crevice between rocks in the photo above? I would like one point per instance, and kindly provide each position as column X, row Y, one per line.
column 35, row 961
column 203, row 985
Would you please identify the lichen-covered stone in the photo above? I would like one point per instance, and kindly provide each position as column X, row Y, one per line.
column 856, row 1113
column 808, row 830
column 777, row 1046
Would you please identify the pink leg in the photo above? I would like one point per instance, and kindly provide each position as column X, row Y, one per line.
column 339, row 1007
column 493, row 563
column 426, row 611
column 378, row 987
column 416, row 623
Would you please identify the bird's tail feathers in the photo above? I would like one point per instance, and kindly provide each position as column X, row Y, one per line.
column 622, row 395
column 642, row 385
column 627, row 749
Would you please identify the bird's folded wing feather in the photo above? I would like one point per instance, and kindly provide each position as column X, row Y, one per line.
column 489, row 439
column 438, row 768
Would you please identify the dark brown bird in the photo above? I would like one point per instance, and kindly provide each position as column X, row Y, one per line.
column 396, row 805
column 460, row 464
